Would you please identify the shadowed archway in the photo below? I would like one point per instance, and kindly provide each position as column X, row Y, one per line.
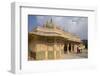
column 65, row 48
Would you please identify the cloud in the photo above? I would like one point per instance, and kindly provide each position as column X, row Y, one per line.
column 40, row 20
column 76, row 25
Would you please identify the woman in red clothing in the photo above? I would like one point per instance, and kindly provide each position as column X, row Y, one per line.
column 78, row 50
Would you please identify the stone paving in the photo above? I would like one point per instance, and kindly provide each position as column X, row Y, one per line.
column 83, row 54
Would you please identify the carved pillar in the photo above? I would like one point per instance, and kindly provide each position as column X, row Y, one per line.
column 75, row 48
column 71, row 47
column 54, row 49
column 46, row 46
column 46, row 54
column 67, row 47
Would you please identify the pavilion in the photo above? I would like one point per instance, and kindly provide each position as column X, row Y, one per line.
column 51, row 42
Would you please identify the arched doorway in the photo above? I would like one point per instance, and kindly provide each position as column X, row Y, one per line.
column 65, row 48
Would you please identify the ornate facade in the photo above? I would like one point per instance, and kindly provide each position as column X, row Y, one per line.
column 51, row 42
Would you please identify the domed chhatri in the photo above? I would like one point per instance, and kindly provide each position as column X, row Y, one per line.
column 51, row 24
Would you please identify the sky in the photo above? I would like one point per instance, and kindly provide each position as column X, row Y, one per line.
column 73, row 24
